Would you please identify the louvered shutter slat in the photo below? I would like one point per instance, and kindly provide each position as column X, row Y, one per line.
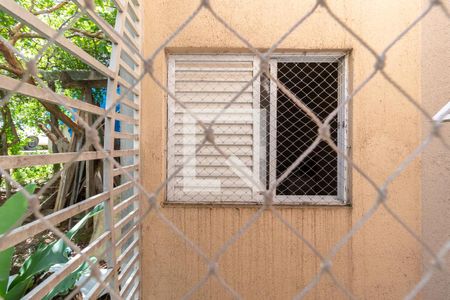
column 205, row 84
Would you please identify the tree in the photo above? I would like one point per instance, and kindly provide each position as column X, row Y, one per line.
column 23, row 112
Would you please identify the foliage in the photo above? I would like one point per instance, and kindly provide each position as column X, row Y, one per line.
column 80, row 32
column 46, row 256
column 68, row 283
column 38, row 174
column 10, row 213
column 26, row 112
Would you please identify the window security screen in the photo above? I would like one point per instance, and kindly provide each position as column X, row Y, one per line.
column 261, row 133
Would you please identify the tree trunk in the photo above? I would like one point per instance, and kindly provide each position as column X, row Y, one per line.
column 4, row 151
column 8, row 125
column 54, row 122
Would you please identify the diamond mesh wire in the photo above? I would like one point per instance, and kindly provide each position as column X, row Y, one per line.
column 307, row 147
column 317, row 85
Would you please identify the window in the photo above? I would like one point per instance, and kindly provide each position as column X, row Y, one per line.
column 262, row 131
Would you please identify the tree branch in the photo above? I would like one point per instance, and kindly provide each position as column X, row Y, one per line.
column 12, row 126
column 25, row 35
column 12, row 60
column 15, row 33
column 50, row 9
column 76, row 32
column 94, row 35
column 12, row 70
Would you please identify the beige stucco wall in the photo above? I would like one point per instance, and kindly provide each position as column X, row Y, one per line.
column 436, row 158
column 382, row 261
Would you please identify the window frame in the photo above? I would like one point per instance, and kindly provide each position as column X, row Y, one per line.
column 170, row 165
column 343, row 175
column 342, row 197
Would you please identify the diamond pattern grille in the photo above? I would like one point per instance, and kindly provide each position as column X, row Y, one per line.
column 317, row 85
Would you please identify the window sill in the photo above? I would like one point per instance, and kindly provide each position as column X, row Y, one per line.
column 298, row 203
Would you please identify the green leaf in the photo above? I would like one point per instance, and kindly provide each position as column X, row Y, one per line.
column 10, row 212
column 68, row 283
column 19, row 290
column 5, row 266
column 54, row 253
column 41, row 260
column 96, row 210
column 14, row 208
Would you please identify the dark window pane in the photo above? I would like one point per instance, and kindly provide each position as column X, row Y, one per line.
column 316, row 85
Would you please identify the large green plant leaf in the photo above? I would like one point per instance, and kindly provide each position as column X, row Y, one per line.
column 95, row 211
column 10, row 213
column 41, row 260
column 68, row 283
column 54, row 253
column 19, row 290
column 5, row 266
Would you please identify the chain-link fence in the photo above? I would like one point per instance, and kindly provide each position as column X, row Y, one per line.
column 261, row 128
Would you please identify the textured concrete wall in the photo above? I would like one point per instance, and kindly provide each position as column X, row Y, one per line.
column 382, row 261
column 436, row 158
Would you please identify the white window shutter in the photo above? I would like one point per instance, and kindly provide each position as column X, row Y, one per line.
column 204, row 85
